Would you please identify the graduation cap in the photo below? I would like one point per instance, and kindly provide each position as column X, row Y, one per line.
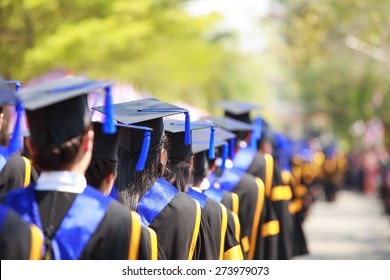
column 237, row 109
column 176, row 133
column 105, row 145
column 256, row 133
column 57, row 110
column 201, row 144
column 148, row 112
column 8, row 97
column 233, row 126
column 230, row 124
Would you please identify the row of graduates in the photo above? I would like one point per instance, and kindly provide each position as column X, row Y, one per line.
column 182, row 190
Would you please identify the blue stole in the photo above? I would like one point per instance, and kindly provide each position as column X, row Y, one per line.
column 228, row 179
column 3, row 216
column 243, row 158
column 155, row 200
column 4, row 155
column 78, row 225
column 214, row 193
column 114, row 193
column 198, row 196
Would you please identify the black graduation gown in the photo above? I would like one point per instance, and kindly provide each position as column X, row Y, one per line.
column 281, row 196
column 182, row 228
column 295, row 207
column 18, row 240
column 231, row 201
column 222, row 227
column 117, row 236
column 251, row 201
column 13, row 174
column 254, row 163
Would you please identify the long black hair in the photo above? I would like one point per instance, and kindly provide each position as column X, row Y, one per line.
column 131, row 184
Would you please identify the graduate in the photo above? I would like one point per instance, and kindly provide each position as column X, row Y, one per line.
column 78, row 221
column 282, row 152
column 255, row 157
column 172, row 214
column 102, row 172
column 16, row 169
column 259, row 224
column 18, row 240
column 181, row 160
column 204, row 166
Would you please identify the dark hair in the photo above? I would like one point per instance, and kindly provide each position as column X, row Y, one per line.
column 98, row 170
column 201, row 166
column 241, row 135
column 57, row 157
column 180, row 174
column 179, row 170
column 132, row 185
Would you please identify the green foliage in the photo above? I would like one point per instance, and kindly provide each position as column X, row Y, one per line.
column 153, row 44
column 336, row 52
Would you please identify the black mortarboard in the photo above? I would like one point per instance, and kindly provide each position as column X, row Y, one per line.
column 8, row 96
column 7, row 93
column 175, row 130
column 57, row 110
column 237, row 109
column 222, row 139
column 106, row 145
column 231, row 124
column 147, row 112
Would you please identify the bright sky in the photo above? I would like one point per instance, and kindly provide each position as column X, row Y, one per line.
column 239, row 15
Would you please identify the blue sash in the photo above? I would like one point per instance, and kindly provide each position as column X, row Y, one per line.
column 214, row 193
column 154, row 200
column 4, row 155
column 244, row 158
column 114, row 193
column 198, row 196
column 3, row 215
column 77, row 227
column 3, row 161
column 228, row 179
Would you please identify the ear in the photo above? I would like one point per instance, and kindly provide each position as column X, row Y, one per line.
column 30, row 148
column 108, row 183
column 191, row 162
column 163, row 157
column 248, row 137
column 87, row 144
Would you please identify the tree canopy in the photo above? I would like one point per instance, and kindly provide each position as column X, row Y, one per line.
column 153, row 44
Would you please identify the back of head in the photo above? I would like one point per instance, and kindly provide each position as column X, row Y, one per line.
column 132, row 182
column 104, row 157
column 58, row 117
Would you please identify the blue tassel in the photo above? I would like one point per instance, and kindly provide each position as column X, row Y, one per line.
column 212, row 145
column 17, row 86
column 225, row 151
column 256, row 134
column 187, row 132
column 232, row 147
column 16, row 143
column 144, row 152
column 109, row 126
